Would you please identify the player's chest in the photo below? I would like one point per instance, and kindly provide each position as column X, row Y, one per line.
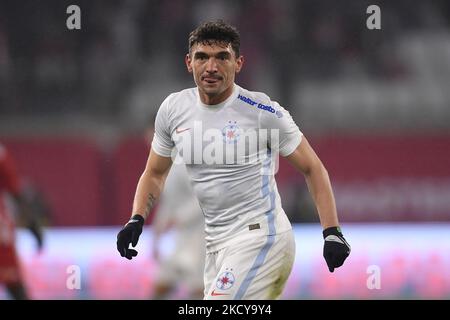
column 219, row 138
column 227, row 126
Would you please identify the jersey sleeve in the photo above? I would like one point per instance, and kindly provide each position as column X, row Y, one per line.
column 284, row 135
column 9, row 180
column 162, row 142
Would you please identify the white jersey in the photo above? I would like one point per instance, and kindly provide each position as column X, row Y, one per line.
column 229, row 151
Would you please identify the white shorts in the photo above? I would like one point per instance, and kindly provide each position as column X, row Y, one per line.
column 255, row 270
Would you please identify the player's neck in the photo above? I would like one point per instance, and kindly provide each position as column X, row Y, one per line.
column 213, row 99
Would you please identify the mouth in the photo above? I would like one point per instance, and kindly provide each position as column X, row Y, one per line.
column 211, row 79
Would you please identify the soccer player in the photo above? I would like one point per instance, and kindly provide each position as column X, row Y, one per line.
column 10, row 274
column 178, row 211
column 228, row 137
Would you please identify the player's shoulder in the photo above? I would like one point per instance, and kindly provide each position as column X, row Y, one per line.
column 260, row 102
column 177, row 103
column 182, row 97
column 253, row 97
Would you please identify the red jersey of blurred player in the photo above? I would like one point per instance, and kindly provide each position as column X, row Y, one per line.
column 10, row 274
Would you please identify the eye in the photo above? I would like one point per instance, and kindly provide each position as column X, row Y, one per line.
column 201, row 57
column 223, row 56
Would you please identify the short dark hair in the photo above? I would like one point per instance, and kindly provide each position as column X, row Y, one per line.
column 216, row 32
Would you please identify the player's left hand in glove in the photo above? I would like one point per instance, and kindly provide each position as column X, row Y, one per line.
column 335, row 249
column 130, row 234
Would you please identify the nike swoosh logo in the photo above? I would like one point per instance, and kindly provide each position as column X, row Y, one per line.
column 214, row 293
column 181, row 130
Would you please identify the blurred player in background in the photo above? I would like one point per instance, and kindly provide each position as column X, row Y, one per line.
column 10, row 271
column 179, row 211
column 249, row 239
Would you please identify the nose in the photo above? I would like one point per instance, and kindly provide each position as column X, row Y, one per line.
column 211, row 65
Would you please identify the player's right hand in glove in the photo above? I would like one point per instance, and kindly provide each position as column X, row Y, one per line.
column 335, row 249
column 130, row 234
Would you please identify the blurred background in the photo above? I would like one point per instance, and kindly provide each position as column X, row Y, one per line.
column 76, row 105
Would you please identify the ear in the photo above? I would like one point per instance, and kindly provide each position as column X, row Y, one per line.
column 188, row 60
column 239, row 63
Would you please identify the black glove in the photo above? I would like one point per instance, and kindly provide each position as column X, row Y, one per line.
column 130, row 234
column 335, row 248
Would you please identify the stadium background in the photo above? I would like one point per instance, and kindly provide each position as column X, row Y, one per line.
column 375, row 104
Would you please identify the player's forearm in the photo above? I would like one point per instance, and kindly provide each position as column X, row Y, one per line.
column 319, row 186
column 147, row 193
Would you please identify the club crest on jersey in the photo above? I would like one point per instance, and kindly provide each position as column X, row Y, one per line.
column 231, row 132
column 225, row 281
